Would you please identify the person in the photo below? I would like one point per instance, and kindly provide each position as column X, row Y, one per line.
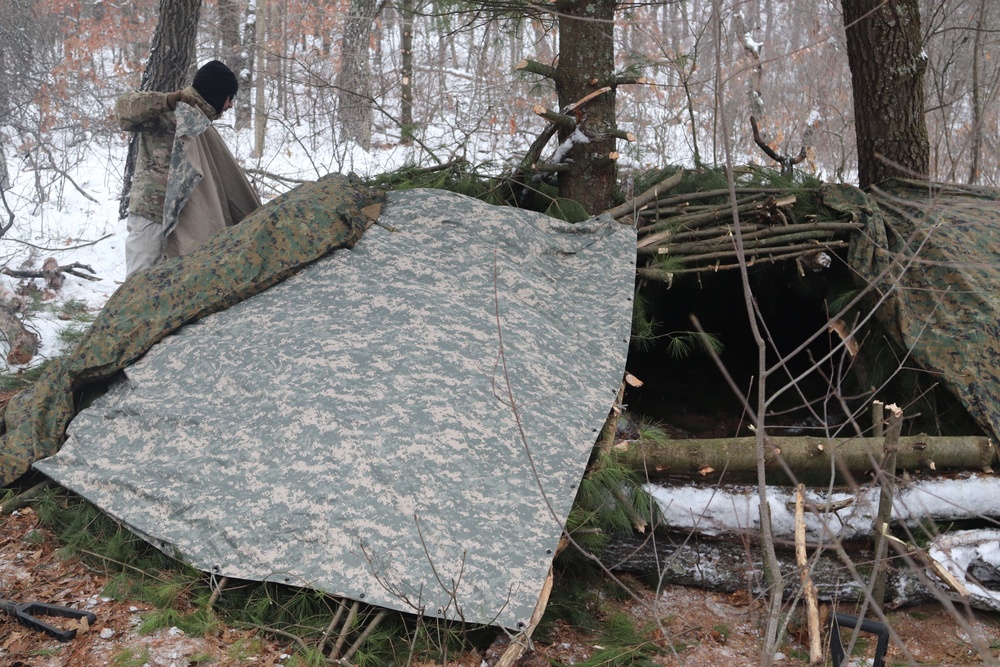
column 187, row 185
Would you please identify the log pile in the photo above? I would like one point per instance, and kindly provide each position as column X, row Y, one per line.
column 695, row 231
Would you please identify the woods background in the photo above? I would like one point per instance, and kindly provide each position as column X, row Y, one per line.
column 326, row 77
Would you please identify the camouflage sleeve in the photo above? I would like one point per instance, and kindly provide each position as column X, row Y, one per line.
column 142, row 111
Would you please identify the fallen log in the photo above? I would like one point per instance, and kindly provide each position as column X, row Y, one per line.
column 811, row 459
column 730, row 565
column 844, row 514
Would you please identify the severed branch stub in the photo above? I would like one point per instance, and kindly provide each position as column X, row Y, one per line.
column 787, row 162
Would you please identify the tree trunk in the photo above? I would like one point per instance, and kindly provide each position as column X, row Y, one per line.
column 354, row 97
column 976, row 148
column 235, row 54
column 259, row 111
column 586, row 64
column 170, row 57
column 406, row 61
column 885, row 53
column 248, row 77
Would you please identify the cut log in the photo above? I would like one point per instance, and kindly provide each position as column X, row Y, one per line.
column 811, row 459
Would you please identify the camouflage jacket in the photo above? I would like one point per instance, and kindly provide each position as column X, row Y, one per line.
column 147, row 113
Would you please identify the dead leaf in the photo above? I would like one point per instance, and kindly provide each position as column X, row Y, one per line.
column 840, row 328
column 14, row 636
column 81, row 625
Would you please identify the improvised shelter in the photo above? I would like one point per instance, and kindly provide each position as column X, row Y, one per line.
column 921, row 256
column 404, row 423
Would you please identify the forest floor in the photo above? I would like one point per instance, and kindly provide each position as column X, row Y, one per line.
column 704, row 628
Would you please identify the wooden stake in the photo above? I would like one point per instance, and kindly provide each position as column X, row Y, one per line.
column 522, row 641
column 808, row 589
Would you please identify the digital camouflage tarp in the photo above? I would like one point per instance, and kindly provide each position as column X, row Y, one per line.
column 405, row 423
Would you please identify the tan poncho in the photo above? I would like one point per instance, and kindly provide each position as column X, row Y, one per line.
column 206, row 188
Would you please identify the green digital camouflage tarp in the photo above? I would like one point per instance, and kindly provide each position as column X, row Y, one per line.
column 403, row 424
column 932, row 254
column 270, row 245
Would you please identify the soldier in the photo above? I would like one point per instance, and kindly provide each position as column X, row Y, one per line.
column 187, row 185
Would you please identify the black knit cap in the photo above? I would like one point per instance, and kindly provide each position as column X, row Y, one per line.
column 215, row 82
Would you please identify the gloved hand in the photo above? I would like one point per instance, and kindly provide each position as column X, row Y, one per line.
column 180, row 96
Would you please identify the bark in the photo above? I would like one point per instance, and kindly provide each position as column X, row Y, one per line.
column 354, row 106
column 170, row 58
column 730, row 565
column 811, row 458
column 885, row 54
column 586, row 63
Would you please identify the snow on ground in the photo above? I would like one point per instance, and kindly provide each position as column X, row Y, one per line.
column 77, row 220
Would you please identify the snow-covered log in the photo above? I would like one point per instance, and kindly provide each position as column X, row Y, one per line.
column 843, row 514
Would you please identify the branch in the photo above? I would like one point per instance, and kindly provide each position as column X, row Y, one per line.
column 275, row 177
column 649, row 195
column 620, row 134
column 785, row 161
column 47, row 274
column 567, row 123
column 76, row 247
column 630, row 80
column 10, row 213
column 535, row 67
column 586, row 98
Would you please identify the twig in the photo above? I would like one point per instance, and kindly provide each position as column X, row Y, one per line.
column 374, row 623
column 273, row 176
column 887, row 480
column 332, row 625
column 567, row 123
column 10, row 213
column 664, row 275
column 217, row 590
column 68, row 268
column 67, row 248
column 586, row 98
column 787, row 163
column 345, row 630
column 274, row 631
column 649, row 195
column 701, row 219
